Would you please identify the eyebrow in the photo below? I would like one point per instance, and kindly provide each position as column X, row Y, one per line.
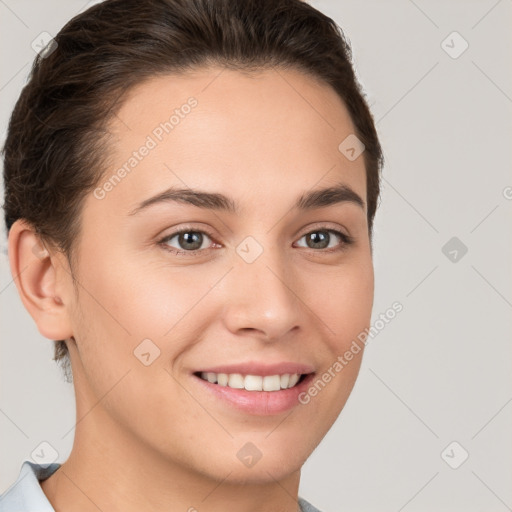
column 340, row 193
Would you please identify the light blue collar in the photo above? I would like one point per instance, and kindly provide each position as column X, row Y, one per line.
column 25, row 494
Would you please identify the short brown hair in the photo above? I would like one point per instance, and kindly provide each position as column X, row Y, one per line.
column 56, row 148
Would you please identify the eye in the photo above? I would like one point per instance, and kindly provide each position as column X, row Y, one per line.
column 186, row 241
column 190, row 242
column 326, row 239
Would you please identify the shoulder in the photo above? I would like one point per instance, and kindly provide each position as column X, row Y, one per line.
column 305, row 506
column 25, row 494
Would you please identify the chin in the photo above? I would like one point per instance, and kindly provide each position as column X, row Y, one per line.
column 261, row 473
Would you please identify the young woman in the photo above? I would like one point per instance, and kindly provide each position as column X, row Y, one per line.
column 190, row 188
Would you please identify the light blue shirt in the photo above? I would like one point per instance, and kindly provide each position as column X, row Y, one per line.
column 26, row 495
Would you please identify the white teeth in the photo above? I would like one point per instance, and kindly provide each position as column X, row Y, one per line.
column 252, row 382
column 236, row 381
column 271, row 383
column 293, row 380
column 222, row 379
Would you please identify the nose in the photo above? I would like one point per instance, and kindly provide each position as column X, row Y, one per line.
column 263, row 298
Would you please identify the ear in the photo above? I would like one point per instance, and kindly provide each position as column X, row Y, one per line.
column 44, row 285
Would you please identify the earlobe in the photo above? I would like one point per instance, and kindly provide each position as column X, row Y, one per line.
column 39, row 279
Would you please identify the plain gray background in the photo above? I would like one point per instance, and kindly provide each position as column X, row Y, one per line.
column 440, row 372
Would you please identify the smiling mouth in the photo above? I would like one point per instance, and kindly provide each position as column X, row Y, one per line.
column 276, row 382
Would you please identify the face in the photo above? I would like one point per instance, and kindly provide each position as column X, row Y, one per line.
column 258, row 282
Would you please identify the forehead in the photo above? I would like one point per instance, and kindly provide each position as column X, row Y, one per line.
column 276, row 130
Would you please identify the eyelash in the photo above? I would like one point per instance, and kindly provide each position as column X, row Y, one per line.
column 346, row 241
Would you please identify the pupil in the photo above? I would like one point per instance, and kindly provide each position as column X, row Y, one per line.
column 319, row 238
column 193, row 238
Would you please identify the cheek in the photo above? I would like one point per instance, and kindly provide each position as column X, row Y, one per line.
column 128, row 303
column 122, row 307
column 139, row 300
column 346, row 305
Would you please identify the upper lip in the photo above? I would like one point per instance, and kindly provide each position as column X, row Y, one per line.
column 255, row 368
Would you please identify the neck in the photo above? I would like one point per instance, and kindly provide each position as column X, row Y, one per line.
column 110, row 470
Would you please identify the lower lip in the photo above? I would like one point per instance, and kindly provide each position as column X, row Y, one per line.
column 262, row 403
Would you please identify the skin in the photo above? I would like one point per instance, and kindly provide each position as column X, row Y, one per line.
column 148, row 437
